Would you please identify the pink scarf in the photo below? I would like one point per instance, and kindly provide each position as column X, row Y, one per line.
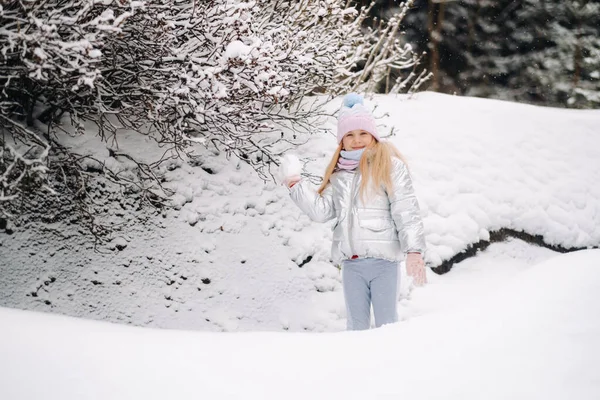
column 349, row 160
column 346, row 164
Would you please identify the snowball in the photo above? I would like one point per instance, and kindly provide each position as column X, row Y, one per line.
column 289, row 166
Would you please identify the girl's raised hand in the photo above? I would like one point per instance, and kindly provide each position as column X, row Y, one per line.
column 415, row 267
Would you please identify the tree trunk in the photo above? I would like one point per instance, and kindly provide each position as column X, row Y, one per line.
column 439, row 29
column 435, row 20
column 433, row 45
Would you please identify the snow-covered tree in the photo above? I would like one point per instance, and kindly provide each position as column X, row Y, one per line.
column 224, row 73
column 562, row 64
column 50, row 52
column 543, row 52
column 466, row 42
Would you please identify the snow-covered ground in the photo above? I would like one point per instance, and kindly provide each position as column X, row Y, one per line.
column 237, row 255
column 536, row 336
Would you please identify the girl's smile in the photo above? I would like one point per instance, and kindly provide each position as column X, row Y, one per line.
column 356, row 140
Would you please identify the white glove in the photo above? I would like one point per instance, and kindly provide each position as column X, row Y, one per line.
column 415, row 267
column 290, row 169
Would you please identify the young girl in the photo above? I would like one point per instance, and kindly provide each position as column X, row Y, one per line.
column 368, row 190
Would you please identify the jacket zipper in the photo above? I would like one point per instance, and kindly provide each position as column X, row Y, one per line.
column 350, row 211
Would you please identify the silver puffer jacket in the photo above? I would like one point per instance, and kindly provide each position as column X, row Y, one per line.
column 384, row 226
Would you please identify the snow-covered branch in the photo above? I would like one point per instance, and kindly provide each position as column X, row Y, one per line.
column 233, row 75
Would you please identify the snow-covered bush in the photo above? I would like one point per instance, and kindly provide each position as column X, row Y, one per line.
column 50, row 55
column 227, row 74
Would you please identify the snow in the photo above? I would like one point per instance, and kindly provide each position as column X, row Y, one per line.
column 535, row 337
column 237, row 255
column 39, row 52
column 472, row 279
column 237, row 49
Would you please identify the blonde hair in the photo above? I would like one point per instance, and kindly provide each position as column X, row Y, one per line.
column 375, row 167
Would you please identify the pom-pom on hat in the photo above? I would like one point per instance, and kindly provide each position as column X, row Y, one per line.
column 354, row 115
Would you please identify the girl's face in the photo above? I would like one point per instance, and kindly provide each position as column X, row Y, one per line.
column 356, row 140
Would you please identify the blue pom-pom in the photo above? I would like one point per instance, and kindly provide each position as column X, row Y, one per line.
column 351, row 99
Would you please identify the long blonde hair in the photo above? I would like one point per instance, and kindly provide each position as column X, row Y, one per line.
column 375, row 167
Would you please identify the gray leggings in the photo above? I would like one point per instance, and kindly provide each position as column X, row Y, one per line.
column 370, row 281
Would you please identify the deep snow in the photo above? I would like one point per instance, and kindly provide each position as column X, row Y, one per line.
column 228, row 259
column 535, row 337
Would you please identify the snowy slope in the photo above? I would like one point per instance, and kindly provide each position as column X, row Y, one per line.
column 229, row 257
column 535, row 337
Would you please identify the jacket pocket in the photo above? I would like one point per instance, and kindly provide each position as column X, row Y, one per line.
column 380, row 228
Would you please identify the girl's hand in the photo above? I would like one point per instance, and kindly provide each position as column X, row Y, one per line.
column 291, row 181
column 415, row 267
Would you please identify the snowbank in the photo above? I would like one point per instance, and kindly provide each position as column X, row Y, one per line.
column 237, row 255
column 537, row 337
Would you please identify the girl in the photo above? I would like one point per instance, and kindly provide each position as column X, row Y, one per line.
column 368, row 190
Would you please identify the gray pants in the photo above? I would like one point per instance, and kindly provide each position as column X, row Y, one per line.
column 369, row 281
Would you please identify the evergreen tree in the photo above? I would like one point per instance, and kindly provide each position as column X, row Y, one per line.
column 543, row 52
column 562, row 63
column 465, row 41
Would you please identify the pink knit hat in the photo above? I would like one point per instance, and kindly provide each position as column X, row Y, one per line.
column 354, row 115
